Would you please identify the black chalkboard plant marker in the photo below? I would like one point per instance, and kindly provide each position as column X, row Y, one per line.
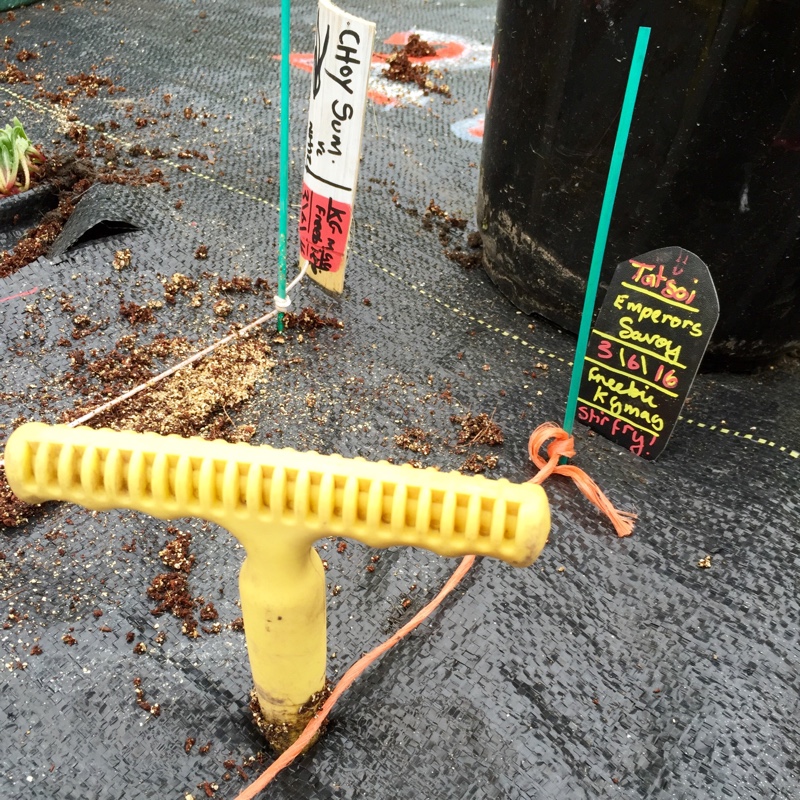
column 562, row 443
column 645, row 348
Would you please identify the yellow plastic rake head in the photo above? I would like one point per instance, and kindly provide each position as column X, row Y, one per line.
column 278, row 502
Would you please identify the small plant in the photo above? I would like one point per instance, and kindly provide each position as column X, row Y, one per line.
column 17, row 153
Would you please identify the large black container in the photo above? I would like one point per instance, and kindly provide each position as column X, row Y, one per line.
column 712, row 162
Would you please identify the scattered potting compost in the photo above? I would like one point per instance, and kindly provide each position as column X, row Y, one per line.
column 399, row 400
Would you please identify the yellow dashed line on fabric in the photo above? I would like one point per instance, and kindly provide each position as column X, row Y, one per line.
column 464, row 315
column 539, row 351
column 222, row 185
column 62, row 117
column 33, row 104
column 749, row 436
column 457, row 311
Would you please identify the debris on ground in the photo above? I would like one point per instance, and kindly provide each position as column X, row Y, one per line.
column 415, row 440
column 400, row 68
column 477, row 429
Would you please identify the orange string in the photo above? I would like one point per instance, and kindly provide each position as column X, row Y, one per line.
column 348, row 679
column 563, row 444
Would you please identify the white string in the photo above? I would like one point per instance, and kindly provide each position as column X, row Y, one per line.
column 191, row 360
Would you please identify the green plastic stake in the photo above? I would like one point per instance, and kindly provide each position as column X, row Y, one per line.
column 283, row 223
column 601, row 238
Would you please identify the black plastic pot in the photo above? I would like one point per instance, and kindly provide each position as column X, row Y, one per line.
column 712, row 162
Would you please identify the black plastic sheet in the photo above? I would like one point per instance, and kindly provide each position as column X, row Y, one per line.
column 610, row 668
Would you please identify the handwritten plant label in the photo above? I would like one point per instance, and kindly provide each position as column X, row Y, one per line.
column 342, row 57
column 645, row 348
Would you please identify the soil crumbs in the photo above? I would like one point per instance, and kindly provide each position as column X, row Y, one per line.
column 401, row 69
column 13, row 512
column 477, row 429
column 170, row 589
column 278, row 735
column 196, row 401
column 415, row 440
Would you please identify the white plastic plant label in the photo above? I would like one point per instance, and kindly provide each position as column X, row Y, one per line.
column 342, row 57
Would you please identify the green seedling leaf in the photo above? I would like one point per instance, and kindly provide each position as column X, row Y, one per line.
column 17, row 152
column 9, row 160
column 22, row 150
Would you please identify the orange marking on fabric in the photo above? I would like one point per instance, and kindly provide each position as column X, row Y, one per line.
column 445, row 48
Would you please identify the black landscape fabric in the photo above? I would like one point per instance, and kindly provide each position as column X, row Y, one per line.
column 663, row 665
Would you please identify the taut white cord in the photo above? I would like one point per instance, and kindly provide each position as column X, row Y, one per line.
column 279, row 306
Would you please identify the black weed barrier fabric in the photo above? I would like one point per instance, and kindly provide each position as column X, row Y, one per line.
column 663, row 665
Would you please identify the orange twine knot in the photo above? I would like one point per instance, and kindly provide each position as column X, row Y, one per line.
column 564, row 445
